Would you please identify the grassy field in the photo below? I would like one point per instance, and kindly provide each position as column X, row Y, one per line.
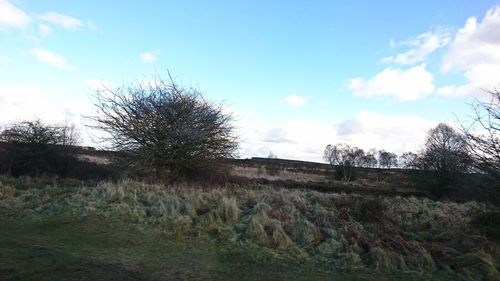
column 68, row 230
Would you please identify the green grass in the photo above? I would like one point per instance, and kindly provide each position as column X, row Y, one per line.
column 66, row 248
column 134, row 231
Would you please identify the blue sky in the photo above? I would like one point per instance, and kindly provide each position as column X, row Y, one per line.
column 297, row 75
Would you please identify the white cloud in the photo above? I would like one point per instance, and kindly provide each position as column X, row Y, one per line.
column 475, row 50
column 294, row 100
column 64, row 21
column 396, row 133
column 44, row 29
column 148, row 57
column 421, row 47
column 476, row 43
column 97, row 84
column 296, row 139
column 18, row 94
column 480, row 78
column 305, row 139
column 12, row 17
column 50, row 58
column 405, row 85
column 26, row 102
column 19, row 102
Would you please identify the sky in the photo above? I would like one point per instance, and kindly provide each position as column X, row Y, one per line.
column 296, row 75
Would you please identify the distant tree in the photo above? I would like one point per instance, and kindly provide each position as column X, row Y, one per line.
column 37, row 132
column 482, row 135
column 36, row 148
column 343, row 159
column 387, row 160
column 409, row 160
column 357, row 155
column 272, row 155
column 369, row 160
column 445, row 154
column 70, row 135
column 166, row 129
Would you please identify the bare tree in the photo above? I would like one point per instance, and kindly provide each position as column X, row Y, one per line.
column 357, row 154
column 445, row 154
column 387, row 160
column 70, row 135
column 343, row 158
column 409, row 160
column 165, row 128
column 369, row 160
column 482, row 134
column 37, row 132
column 272, row 155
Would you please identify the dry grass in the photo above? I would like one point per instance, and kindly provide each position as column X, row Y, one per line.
column 346, row 231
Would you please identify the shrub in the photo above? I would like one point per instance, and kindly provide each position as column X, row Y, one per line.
column 167, row 131
column 36, row 132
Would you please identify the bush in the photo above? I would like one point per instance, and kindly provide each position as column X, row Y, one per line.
column 167, row 131
column 37, row 132
column 46, row 160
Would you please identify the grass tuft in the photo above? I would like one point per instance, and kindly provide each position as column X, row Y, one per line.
column 279, row 238
column 380, row 260
column 304, row 233
column 228, row 210
column 208, row 221
column 181, row 224
column 255, row 231
column 480, row 262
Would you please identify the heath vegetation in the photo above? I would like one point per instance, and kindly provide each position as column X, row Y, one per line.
column 335, row 232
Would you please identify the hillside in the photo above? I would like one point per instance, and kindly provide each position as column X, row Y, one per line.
column 71, row 230
column 87, row 163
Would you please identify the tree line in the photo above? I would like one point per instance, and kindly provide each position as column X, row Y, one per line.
column 445, row 154
column 169, row 132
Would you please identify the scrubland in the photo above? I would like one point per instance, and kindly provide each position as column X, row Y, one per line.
column 129, row 230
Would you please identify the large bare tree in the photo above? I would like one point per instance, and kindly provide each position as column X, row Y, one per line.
column 445, row 154
column 482, row 134
column 165, row 128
